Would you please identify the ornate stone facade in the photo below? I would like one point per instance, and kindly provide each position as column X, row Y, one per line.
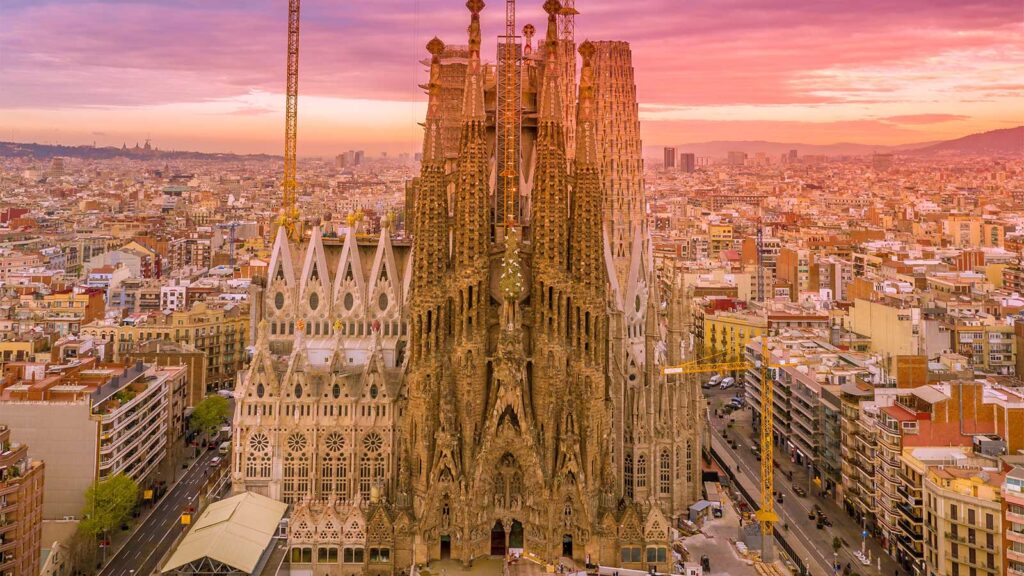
column 495, row 385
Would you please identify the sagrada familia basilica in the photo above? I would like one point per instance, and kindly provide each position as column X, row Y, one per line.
column 488, row 381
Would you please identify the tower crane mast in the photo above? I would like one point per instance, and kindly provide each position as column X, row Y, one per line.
column 289, row 217
column 508, row 122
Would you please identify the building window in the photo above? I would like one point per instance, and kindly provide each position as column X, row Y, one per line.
column 302, row 555
column 380, row 554
column 353, row 556
column 641, row 471
column 627, row 475
column 665, row 476
column 327, row 555
column 689, row 458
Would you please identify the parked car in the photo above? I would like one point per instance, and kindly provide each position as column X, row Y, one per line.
column 727, row 383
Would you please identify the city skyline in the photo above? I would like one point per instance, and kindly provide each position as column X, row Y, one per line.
column 192, row 76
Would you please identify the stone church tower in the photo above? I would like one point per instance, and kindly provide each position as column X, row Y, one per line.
column 490, row 386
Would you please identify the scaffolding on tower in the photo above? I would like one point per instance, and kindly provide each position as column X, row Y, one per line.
column 508, row 118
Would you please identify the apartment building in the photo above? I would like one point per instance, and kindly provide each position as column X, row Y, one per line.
column 987, row 341
column 219, row 330
column 963, row 517
column 809, row 377
column 61, row 313
column 1013, row 521
column 90, row 421
column 21, row 507
column 915, row 462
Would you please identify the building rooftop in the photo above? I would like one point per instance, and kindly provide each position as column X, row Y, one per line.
column 236, row 531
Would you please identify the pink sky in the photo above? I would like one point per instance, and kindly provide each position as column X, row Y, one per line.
column 208, row 75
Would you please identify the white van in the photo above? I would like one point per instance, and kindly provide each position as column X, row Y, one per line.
column 715, row 379
column 728, row 382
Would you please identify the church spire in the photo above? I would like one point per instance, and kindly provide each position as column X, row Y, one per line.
column 472, row 218
column 432, row 141
column 430, row 205
column 588, row 199
column 551, row 183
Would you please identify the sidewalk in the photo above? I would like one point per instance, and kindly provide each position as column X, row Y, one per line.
column 787, row 475
column 121, row 537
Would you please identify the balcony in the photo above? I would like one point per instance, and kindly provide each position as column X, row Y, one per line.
column 910, row 513
column 865, row 468
column 912, row 531
column 910, row 548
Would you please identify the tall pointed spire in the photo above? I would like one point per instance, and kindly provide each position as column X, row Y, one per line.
column 471, row 215
column 433, row 150
column 430, row 245
column 551, row 184
column 588, row 199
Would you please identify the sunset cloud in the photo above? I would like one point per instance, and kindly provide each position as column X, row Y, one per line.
column 923, row 118
column 910, row 70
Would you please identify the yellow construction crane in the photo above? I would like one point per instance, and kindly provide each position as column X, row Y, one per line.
column 289, row 218
column 766, row 516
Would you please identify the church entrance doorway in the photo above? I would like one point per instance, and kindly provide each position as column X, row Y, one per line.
column 515, row 538
column 567, row 545
column 446, row 547
column 498, row 539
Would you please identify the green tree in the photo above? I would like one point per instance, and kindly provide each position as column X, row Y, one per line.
column 210, row 414
column 108, row 504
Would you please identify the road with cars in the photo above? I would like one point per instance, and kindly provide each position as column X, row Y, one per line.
column 814, row 544
column 153, row 538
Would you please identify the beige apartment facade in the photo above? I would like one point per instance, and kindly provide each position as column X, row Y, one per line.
column 963, row 520
column 86, row 433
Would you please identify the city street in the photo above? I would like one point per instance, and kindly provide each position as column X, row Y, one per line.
column 151, row 540
column 813, row 544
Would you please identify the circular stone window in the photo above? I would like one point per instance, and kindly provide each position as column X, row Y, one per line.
column 638, row 303
column 296, row 442
column 314, row 301
column 382, row 301
column 259, row 442
column 374, row 391
column 336, row 391
column 335, row 442
column 350, row 301
column 298, row 391
column 259, row 390
column 372, row 442
column 279, row 300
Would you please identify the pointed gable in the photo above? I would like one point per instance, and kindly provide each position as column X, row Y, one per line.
column 385, row 280
column 314, row 269
column 281, row 268
column 349, row 283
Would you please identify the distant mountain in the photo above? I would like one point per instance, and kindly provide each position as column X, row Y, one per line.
column 1007, row 141
column 47, row 151
column 1000, row 142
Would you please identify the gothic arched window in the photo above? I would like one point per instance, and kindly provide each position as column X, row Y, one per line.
column 665, row 473
column 627, row 475
column 641, row 471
